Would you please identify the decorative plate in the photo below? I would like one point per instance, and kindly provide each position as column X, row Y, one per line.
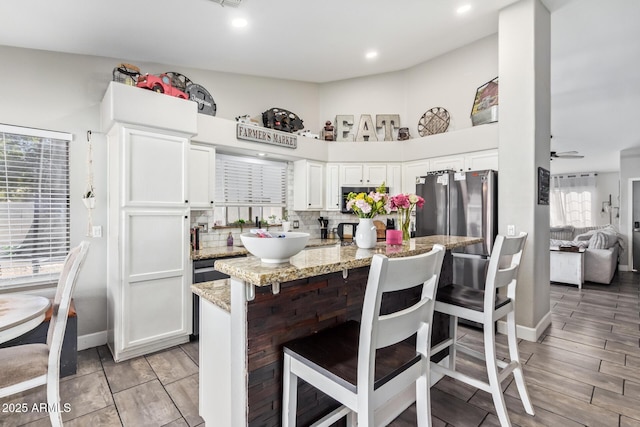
column 198, row 94
column 281, row 119
column 436, row 120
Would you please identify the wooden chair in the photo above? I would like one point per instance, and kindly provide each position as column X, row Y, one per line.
column 487, row 307
column 364, row 365
column 31, row 365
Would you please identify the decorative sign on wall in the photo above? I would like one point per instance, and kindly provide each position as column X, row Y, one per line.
column 266, row 135
column 366, row 130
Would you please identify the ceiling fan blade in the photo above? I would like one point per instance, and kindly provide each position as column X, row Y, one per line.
column 566, row 155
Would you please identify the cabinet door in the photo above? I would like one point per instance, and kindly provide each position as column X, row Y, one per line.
column 315, row 180
column 410, row 171
column 154, row 169
column 333, row 187
column 374, row 174
column 394, row 178
column 441, row 163
column 202, row 161
column 308, row 185
column 155, row 293
column 351, row 174
column 482, row 160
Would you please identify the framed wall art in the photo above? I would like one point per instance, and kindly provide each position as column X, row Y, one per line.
column 544, row 178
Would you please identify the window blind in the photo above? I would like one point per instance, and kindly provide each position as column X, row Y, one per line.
column 34, row 204
column 245, row 181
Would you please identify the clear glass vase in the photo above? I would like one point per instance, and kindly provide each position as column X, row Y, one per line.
column 404, row 220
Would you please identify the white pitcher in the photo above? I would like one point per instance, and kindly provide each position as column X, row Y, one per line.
column 366, row 236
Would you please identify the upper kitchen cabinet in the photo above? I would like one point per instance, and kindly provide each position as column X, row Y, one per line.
column 455, row 163
column 481, row 160
column 412, row 170
column 367, row 174
column 202, row 162
column 394, row 178
column 308, row 185
column 332, row 202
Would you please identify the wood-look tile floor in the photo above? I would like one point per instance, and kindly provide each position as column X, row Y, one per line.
column 583, row 371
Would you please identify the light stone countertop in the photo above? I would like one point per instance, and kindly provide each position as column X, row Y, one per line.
column 234, row 251
column 217, row 292
column 316, row 261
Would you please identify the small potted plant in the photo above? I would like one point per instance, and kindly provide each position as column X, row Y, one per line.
column 89, row 198
column 240, row 223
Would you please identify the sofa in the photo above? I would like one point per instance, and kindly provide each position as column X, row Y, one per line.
column 603, row 244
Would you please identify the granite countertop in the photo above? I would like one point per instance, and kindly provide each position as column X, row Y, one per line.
column 316, row 261
column 234, row 251
column 217, row 292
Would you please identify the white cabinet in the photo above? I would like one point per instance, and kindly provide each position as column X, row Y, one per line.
column 412, row 170
column 367, row 174
column 333, row 194
column 481, row 160
column 148, row 295
column 202, row 162
column 394, row 178
column 308, row 185
column 455, row 163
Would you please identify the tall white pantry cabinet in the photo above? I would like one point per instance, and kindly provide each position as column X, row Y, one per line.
column 148, row 267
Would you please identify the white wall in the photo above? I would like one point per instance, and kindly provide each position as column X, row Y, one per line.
column 449, row 81
column 607, row 183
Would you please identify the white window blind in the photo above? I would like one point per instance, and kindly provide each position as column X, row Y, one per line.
column 34, row 204
column 244, row 181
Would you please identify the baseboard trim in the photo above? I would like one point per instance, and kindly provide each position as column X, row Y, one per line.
column 92, row 340
column 526, row 333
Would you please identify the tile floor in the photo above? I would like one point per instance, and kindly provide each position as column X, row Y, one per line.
column 583, row 371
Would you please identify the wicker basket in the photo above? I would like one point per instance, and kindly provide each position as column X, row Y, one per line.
column 126, row 73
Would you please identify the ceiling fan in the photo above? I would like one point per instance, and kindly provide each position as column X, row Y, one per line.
column 566, row 155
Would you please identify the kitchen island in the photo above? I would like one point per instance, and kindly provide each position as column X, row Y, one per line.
column 246, row 319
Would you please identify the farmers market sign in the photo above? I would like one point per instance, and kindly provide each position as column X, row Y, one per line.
column 266, row 135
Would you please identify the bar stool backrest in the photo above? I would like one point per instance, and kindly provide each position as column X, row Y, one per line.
column 503, row 268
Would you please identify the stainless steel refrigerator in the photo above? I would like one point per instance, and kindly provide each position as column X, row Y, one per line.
column 461, row 204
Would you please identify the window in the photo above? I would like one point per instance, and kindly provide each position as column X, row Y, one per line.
column 571, row 200
column 34, row 205
column 248, row 187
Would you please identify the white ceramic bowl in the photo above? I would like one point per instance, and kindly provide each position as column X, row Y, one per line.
column 275, row 249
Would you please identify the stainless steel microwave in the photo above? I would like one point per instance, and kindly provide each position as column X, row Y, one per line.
column 344, row 192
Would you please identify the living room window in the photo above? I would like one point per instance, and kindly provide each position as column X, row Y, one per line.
column 34, row 205
column 247, row 187
column 571, row 200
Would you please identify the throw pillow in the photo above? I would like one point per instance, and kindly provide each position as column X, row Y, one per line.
column 601, row 240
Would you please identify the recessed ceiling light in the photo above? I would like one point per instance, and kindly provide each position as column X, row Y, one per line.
column 371, row 54
column 239, row 23
column 463, row 9
column 262, row 154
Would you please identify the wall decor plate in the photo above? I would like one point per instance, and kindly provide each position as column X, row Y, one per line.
column 198, row 94
column 436, row 120
column 281, row 119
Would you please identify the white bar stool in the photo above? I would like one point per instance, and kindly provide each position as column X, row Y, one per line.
column 364, row 365
column 486, row 307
